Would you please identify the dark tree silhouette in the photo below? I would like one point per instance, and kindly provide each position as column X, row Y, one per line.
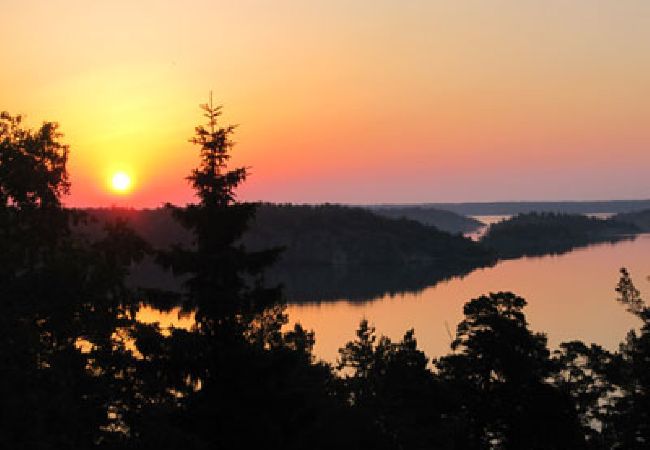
column 391, row 386
column 65, row 381
column 501, row 371
column 33, row 177
column 630, row 425
column 237, row 370
column 591, row 376
column 224, row 280
column 32, row 164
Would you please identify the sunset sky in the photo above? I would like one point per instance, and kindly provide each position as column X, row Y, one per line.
column 342, row 101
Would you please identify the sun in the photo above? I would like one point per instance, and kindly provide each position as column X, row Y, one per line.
column 121, row 182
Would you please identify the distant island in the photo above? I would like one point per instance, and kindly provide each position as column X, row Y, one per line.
column 535, row 234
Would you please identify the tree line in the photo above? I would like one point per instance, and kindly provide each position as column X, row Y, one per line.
column 79, row 370
column 543, row 233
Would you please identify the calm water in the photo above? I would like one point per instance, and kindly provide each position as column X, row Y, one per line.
column 570, row 296
column 487, row 220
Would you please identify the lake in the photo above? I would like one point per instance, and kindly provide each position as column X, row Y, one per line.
column 570, row 296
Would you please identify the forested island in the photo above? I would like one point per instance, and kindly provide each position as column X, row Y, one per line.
column 535, row 234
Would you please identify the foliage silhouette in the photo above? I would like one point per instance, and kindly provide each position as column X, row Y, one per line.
column 630, row 423
column 392, row 385
column 500, row 369
column 63, row 299
column 244, row 371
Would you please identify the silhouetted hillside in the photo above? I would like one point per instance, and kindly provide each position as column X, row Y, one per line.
column 320, row 235
column 444, row 220
column 339, row 235
column 550, row 233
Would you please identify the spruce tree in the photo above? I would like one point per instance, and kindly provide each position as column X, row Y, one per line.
column 224, row 280
column 233, row 371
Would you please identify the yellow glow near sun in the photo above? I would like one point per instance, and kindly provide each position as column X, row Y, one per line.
column 121, row 182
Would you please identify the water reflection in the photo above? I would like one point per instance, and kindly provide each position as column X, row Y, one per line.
column 487, row 221
column 358, row 284
column 570, row 297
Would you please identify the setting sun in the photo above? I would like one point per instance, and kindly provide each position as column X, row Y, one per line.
column 121, row 182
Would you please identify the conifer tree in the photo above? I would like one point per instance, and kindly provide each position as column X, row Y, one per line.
column 224, row 280
column 236, row 371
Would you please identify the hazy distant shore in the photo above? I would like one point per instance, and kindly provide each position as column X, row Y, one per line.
column 517, row 207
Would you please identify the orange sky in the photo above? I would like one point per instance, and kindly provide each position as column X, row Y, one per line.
column 341, row 101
